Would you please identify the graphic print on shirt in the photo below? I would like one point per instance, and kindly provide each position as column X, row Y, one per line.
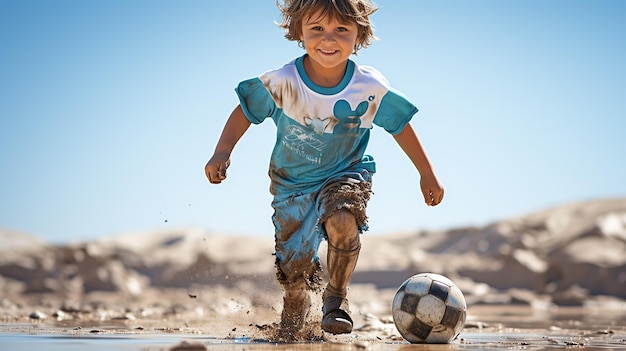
column 350, row 119
column 304, row 143
column 307, row 142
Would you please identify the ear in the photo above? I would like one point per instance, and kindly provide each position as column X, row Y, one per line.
column 300, row 39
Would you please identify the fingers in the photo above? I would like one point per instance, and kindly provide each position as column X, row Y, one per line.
column 216, row 176
column 216, row 172
column 433, row 198
column 220, row 175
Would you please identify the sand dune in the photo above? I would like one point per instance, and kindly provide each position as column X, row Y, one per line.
column 564, row 255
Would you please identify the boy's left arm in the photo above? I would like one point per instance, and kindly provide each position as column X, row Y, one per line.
column 432, row 189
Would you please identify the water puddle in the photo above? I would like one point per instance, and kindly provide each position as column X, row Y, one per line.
column 489, row 329
column 518, row 339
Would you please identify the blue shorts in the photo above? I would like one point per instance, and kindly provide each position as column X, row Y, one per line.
column 299, row 221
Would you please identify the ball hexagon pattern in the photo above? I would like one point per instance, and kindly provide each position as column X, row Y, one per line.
column 429, row 308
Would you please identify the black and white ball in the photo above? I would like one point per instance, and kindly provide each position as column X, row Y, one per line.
column 429, row 308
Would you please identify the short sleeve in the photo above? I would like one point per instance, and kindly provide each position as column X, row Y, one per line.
column 256, row 102
column 395, row 112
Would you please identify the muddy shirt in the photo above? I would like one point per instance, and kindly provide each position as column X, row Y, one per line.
column 321, row 132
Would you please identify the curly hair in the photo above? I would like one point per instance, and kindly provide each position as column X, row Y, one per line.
column 345, row 11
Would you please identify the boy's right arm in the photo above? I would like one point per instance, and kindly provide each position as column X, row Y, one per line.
column 234, row 129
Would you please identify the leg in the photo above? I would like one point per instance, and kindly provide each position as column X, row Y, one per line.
column 343, row 252
column 297, row 263
column 342, row 204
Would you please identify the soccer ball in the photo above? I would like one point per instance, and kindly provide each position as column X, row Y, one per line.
column 429, row 308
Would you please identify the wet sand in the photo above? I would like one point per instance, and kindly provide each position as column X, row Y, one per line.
column 176, row 319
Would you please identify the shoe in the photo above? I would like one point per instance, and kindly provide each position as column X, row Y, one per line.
column 335, row 315
column 296, row 307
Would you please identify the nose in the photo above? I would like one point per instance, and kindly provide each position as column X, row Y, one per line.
column 329, row 36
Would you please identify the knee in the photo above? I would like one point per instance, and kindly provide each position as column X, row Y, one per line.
column 342, row 229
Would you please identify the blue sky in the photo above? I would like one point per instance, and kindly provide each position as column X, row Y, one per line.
column 110, row 109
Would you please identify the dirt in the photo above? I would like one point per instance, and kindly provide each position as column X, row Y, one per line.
column 228, row 319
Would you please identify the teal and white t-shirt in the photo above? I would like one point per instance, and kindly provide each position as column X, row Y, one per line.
column 321, row 132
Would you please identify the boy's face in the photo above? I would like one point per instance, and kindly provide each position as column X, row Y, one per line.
column 328, row 42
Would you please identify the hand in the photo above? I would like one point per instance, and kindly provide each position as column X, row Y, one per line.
column 215, row 169
column 432, row 190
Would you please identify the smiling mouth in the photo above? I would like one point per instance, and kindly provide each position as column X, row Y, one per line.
column 327, row 52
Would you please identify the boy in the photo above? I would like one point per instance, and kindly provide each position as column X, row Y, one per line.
column 323, row 105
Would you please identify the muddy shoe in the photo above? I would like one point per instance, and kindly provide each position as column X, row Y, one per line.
column 297, row 303
column 336, row 318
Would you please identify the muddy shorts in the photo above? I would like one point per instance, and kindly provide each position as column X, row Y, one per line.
column 299, row 221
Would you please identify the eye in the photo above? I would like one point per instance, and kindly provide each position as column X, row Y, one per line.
column 342, row 29
column 317, row 28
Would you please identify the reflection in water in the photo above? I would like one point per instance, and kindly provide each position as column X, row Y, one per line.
column 501, row 339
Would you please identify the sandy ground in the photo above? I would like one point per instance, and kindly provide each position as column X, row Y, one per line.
column 551, row 279
column 233, row 319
